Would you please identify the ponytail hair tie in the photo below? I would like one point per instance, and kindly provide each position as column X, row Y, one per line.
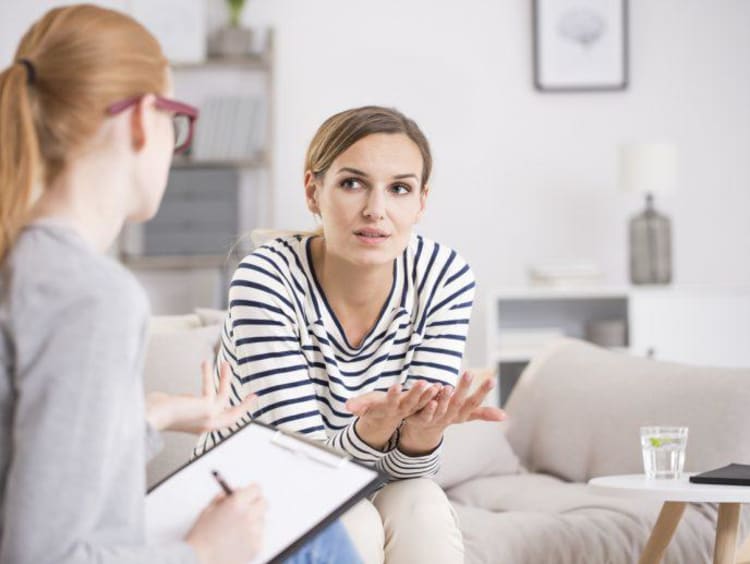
column 30, row 71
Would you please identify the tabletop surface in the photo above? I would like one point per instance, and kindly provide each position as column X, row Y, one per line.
column 669, row 490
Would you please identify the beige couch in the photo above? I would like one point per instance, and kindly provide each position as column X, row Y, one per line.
column 519, row 487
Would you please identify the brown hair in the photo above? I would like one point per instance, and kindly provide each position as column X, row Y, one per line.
column 69, row 66
column 341, row 131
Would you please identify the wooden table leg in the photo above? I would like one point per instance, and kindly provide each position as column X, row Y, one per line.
column 669, row 518
column 725, row 549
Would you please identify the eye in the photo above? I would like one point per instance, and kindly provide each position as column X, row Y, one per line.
column 401, row 189
column 350, row 184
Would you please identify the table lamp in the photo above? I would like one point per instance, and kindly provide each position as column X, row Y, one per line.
column 649, row 168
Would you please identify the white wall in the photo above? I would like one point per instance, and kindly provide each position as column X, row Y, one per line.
column 522, row 177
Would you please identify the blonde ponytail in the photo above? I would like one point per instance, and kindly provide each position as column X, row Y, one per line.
column 19, row 153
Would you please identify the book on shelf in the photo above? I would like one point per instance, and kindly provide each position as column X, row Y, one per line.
column 231, row 128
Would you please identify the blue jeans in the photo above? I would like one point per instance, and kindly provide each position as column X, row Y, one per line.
column 331, row 546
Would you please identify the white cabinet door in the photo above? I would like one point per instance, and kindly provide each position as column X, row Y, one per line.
column 709, row 327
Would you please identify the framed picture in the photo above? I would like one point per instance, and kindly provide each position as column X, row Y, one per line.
column 580, row 45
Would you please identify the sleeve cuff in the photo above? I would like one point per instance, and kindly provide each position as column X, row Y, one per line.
column 352, row 443
column 402, row 466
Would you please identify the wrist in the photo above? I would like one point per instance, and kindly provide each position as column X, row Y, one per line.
column 375, row 436
column 415, row 441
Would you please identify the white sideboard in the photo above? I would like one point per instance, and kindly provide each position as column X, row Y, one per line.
column 694, row 325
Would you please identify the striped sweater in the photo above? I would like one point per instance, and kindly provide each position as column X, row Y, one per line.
column 284, row 343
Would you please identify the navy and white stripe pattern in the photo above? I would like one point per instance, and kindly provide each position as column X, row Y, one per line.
column 285, row 344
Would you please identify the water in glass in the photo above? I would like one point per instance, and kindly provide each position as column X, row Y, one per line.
column 663, row 451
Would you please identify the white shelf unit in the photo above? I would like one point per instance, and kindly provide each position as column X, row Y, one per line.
column 180, row 282
column 522, row 321
column 693, row 325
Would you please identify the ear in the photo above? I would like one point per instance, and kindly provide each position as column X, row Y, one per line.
column 422, row 202
column 311, row 192
column 138, row 122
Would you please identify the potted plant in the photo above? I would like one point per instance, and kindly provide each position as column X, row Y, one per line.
column 232, row 40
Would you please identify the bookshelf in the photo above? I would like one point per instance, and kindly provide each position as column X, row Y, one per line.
column 218, row 193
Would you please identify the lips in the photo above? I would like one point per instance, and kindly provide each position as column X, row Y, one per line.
column 371, row 233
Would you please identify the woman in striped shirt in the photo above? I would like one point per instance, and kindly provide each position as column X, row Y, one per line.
column 355, row 335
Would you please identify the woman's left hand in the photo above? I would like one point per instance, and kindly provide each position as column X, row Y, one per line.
column 423, row 431
column 197, row 414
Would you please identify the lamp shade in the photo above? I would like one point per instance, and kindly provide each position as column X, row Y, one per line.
column 648, row 167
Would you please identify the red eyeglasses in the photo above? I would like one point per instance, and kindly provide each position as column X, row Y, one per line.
column 183, row 118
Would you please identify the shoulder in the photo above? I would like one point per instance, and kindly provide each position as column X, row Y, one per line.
column 281, row 255
column 274, row 271
column 437, row 263
column 50, row 283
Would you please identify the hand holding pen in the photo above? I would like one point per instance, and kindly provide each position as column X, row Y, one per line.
column 237, row 516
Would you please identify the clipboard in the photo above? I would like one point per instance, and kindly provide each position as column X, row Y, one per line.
column 307, row 486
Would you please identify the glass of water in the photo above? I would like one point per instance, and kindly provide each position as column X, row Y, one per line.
column 663, row 451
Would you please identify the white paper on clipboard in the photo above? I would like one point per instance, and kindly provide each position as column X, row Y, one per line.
column 303, row 483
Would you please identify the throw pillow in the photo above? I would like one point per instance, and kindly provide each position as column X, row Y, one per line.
column 475, row 449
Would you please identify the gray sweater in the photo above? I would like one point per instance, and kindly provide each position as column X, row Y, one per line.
column 72, row 426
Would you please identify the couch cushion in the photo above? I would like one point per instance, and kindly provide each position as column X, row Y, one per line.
column 172, row 365
column 533, row 519
column 475, row 449
column 577, row 409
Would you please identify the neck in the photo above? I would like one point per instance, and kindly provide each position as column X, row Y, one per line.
column 350, row 286
column 90, row 195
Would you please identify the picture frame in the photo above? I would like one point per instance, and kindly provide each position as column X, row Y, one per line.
column 580, row 45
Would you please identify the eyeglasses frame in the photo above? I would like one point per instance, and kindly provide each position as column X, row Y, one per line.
column 166, row 104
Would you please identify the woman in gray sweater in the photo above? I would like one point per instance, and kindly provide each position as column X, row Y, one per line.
column 86, row 136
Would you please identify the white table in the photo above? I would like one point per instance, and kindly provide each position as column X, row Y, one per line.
column 676, row 494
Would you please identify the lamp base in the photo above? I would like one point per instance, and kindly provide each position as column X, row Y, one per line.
column 650, row 246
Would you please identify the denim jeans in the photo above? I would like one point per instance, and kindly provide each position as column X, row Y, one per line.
column 331, row 546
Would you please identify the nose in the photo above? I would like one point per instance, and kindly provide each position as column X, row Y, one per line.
column 375, row 205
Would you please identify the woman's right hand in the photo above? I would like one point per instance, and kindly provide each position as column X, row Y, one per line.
column 230, row 530
column 380, row 413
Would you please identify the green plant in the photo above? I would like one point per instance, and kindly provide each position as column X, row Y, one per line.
column 235, row 11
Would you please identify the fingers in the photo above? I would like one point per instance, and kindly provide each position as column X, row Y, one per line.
column 361, row 404
column 418, row 396
column 487, row 413
column 428, row 413
column 443, row 402
column 475, row 399
column 249, row 494
column 428, row 395
column 459, row 395
column 225, row 376
column 207, row 384
column 230, row 416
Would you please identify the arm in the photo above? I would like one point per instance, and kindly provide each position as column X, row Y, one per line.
column 75, row 474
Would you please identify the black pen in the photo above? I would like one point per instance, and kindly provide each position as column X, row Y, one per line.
column 222, row 482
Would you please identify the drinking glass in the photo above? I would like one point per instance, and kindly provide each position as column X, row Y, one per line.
column 663, row 451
